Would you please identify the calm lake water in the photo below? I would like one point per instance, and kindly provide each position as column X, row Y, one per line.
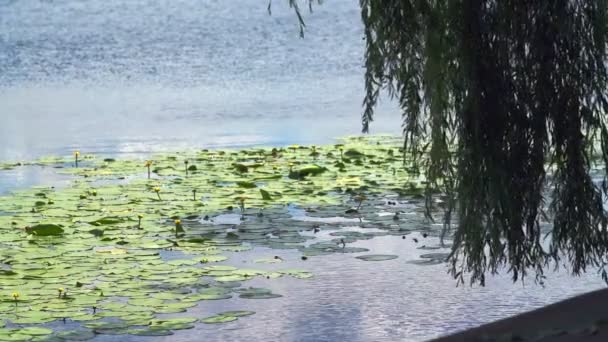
column 132, row 77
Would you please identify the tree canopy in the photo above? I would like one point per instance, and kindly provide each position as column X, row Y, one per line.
column 504, row 109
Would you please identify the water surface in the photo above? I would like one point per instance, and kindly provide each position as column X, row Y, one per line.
column 140, row 75
column 132, row 77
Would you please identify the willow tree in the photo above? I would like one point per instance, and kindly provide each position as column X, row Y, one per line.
column 503, row 104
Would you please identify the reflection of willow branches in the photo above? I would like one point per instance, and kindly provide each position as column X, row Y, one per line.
column 296, row 7
column 496, row 95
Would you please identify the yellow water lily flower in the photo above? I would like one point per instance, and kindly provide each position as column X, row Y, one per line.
column 140, row 216
column 156, row 189
column 15, row 295
column 60, row 289
column 77, row 153
column 178, row 222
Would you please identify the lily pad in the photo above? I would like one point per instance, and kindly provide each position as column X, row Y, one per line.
column 265, row 195
column 107, row 221
column 35, row 331
column 436, row 256
column 46, row 229
column 239, row 313
column 221, row 318
column 425, row 262
column 258, row 293
column 174, row 323
column 376, row 257
column 152, row 331
column 75, row 335
column 246, row 185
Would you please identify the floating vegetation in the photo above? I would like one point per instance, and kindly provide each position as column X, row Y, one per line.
column 376, row 257
column 101, row 251
column 257, row 293
column 228, row 316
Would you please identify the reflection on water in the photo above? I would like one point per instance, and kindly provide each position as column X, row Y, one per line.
column 26, row 176
column 350, row 299
column 353, row 300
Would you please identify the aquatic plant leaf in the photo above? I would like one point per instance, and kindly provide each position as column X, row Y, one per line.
column 45, row 229
column 35, row 331
column 257, row 293
column 221, row 318
column 376, row 257
column 152, row 331
column 265, row 195
column 75, row 335
column 246, row 185
column 107, row 221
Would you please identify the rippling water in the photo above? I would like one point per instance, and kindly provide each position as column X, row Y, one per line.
column 129, row 77
column 353, row 300
column 140, row 75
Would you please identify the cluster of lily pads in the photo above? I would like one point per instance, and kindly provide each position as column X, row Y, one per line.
column 95, row 252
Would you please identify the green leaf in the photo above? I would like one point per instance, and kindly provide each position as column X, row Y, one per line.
column 221, row 318
column 376, row 257
column 107, row 221
column 246, row 185
column 46, row 229
column 265, row 195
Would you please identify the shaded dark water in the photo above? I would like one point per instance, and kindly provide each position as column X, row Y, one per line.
column 130, row 77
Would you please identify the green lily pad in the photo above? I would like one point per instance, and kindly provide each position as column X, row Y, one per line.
column 17, row 337
column 425, row 262
column 212, row 258
column 377, row 257
column 257, row 293
column 105, row 221
column 152, row 331
column 436, row 256
column 309, row 170
column 75, row 335
column 35, row 331
column 174, row 323
column 238, row 313
column 265, row 195
column 219, row 319
column 268, row 261
column 232, row 277
column 46, row 229
column 246, row 185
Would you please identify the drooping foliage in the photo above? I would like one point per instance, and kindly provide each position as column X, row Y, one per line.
column 503, row 106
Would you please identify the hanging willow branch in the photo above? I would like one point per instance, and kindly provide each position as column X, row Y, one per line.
column 507, row 99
